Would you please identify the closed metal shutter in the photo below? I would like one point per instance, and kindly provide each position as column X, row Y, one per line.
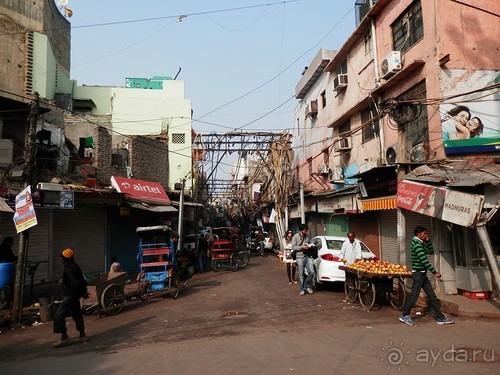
column 366, row 230
column 84, row 231
column 389, row 241
column 38, row 245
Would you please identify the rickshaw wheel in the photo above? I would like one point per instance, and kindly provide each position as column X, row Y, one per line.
column 143, row 287
column 243, row 259
column 367, row 294
column 173, row 285
column 397, row 295
column 112, row 299
column 234, row 262
column 350, row 287
column 215, row 265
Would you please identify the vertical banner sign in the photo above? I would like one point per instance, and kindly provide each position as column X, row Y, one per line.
column 25, row 216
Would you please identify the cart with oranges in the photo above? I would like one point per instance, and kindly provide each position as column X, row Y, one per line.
column 369, row 281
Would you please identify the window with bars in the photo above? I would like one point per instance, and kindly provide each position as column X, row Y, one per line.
column 178, row 138
column 345, row 127
column 370, row 129
column 342, row 69
column 408, row 29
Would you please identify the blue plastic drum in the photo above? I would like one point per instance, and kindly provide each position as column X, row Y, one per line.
column 7, row 272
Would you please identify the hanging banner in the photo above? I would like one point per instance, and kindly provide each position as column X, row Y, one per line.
column 25, row 216
column 442, row 203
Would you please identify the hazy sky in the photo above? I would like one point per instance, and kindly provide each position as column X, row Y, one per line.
column 226, row 49
column 240, row 59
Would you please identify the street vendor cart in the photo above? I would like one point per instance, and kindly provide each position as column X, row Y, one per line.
column 372, row 283
column 106, row 294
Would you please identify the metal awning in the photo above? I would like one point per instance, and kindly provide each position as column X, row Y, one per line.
column 4, row 207
column 372, row 171
column 465, row 173
column 150, row 207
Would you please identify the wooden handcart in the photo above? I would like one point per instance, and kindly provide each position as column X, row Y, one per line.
column 370, row 287
column 106, row 294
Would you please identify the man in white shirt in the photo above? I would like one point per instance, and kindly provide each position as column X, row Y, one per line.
column 351, row 249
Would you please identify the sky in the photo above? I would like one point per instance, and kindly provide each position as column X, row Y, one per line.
column 240, row 59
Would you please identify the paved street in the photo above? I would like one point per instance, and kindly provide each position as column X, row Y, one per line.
column 253, row 322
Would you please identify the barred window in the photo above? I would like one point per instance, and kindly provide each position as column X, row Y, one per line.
column 178, row 138
column 371, row 129
column 408, row 29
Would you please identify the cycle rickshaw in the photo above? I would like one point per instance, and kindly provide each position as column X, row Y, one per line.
column 157, row 262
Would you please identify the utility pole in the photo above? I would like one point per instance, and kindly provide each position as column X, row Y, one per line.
column 181, row 213
column 29, row 179
column 302, row 210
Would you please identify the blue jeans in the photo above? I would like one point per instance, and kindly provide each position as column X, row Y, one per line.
column 304, row 263
column 201, row 261
column 421, row 281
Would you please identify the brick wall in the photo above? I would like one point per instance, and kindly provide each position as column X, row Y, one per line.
column 149, row 159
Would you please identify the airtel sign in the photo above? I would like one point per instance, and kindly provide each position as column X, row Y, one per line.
column 140, row 190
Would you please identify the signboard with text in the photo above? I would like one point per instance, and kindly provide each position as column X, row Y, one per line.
column 140, row 190
column 439, row 202
column 25, row 216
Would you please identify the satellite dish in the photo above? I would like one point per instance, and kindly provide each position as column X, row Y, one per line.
column 390, row 155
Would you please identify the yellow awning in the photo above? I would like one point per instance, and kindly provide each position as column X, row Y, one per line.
column 386, row 203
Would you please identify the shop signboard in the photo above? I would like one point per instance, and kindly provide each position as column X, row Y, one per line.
column 449, row 205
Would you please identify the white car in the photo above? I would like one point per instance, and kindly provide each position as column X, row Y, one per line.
column 328, row 261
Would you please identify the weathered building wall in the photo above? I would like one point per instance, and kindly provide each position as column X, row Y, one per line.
column 149, row 159
column 17, row 18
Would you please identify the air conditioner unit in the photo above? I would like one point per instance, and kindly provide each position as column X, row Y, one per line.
column 340, row 82
column 342, row 144
column 323, row 169
column 336, row 175
column 390, row 155
column 312, row 108
column 391, row 64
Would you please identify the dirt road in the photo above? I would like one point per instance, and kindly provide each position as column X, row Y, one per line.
column 253, row 322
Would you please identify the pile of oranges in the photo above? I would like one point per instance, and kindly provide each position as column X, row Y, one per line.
column 380, row 268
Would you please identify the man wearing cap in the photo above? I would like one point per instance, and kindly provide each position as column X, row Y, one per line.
column 74, row 288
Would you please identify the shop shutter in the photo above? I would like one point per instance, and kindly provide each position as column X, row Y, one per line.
column 38, row 245
column 366, row 230
column 389, row 241
column 84, row 231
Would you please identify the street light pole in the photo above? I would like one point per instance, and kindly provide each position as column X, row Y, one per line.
column 181, row 213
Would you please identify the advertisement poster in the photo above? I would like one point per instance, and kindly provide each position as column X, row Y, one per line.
column 25, row 216
column 471, row 119
column 445, row 204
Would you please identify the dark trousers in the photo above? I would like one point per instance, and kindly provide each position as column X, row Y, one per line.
column 69, row 306
column 201, row 261
column 421, row 281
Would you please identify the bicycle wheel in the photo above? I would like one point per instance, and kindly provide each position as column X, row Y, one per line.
column 174, row 285
column 183, row 276
column 397, row 295
column 367, row 294
column 143, row 287
column 350, row 287
column 233, row 262
column 215, row 265
column 243, row 258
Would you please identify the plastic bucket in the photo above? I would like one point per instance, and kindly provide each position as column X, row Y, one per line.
column 7, row 272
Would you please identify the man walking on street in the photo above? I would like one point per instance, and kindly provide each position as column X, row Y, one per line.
column 74, row 288
column 300, row 245
column 420, row 248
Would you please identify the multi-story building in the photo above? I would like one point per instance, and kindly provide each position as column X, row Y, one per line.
column 391, row 98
